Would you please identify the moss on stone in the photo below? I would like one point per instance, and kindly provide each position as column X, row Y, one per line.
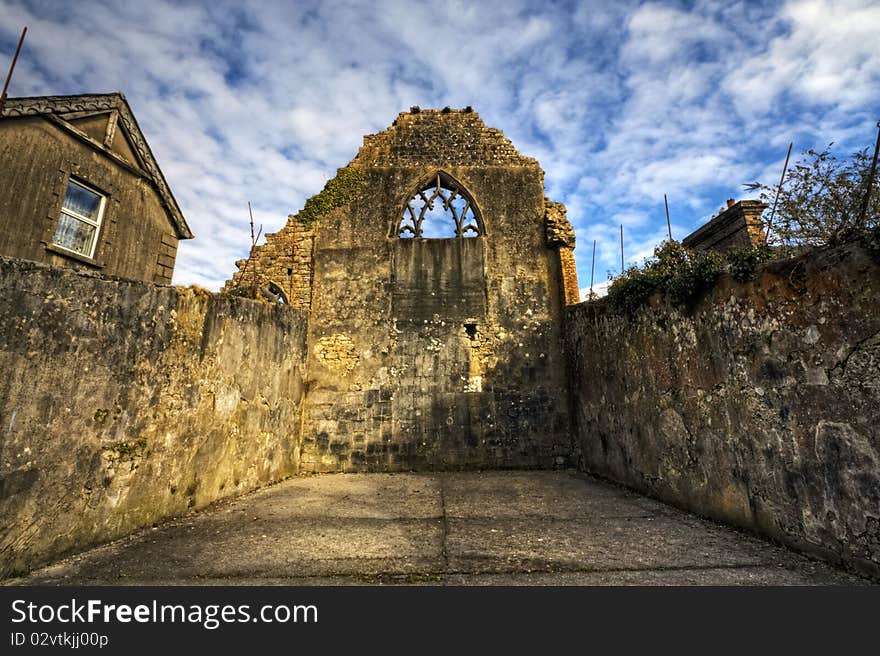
column 338, row 192
column 129, row 448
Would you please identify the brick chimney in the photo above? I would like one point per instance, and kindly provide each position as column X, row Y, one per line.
column 738, row 226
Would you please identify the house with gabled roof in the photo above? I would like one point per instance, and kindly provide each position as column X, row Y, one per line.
column 80, row 187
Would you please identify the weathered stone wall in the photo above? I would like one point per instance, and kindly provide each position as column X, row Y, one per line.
column 435, row 353
column 560, row 234
column 124, row 402
column 760, row 406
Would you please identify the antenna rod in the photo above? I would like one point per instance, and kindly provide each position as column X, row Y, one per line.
column 11, row 68
column 593, row 269
column 870, row 180
column 778, row 189
column 668, row 222
column 621, row 249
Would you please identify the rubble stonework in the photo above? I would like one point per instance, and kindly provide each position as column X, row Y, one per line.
column 558, row 229
column 285, row 260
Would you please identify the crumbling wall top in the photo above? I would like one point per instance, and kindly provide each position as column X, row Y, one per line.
column 444, row 137
column 558, row 230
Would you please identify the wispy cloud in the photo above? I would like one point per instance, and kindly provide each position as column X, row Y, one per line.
column 621, row 102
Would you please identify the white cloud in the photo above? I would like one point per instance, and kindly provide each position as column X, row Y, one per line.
column 827, row 55
column 619, row 103
column 599, row 290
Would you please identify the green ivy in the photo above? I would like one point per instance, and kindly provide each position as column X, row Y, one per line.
column 698, row 272
column 743, row 262
column 682, row 274
column 340, row 191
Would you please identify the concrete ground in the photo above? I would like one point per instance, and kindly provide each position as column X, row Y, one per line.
column 480, row 528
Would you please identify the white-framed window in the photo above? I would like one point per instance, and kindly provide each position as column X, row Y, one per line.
column 80, row 219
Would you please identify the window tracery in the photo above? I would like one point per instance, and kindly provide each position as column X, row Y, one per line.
column 440, row 209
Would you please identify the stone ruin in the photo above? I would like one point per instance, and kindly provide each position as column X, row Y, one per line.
column 431, row 324
column 434, row 272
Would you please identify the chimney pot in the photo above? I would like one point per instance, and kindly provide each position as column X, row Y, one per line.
column 730, row 202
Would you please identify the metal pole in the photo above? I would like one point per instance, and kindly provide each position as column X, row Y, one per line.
column 593, row 269
column 870, row 180
column 251, row 254
column 621, row 249
column 668, row 222
column 11, row 68
column 778, row 190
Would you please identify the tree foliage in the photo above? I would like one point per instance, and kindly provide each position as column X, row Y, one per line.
column 821, row 199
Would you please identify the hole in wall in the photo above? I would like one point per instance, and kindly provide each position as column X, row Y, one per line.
column 275, row 294
column 471, row 330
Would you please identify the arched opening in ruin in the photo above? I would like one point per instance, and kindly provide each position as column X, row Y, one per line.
column 438, row 266
column 440, row 208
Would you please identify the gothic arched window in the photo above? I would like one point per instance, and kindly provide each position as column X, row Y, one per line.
column 440, row 209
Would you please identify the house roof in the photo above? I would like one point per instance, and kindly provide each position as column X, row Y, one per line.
column 79, row 105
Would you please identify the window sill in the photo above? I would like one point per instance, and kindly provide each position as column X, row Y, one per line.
column 57, row 250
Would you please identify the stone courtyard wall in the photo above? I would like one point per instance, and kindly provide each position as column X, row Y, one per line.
column 759, row 406
column 123, row 403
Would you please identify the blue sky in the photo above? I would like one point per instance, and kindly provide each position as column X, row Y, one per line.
column 620, row 102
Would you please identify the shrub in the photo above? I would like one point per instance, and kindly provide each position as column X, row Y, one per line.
column 743, row 262
column 681, row 274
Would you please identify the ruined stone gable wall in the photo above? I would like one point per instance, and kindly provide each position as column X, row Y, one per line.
column 123, row 403
column 453, row 138
column 285, row 259
column 760, row 406
column 436, row 353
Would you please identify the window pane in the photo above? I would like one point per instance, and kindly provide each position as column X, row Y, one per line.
column 82, row 201
column 75, row 235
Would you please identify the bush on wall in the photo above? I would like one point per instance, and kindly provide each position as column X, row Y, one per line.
column 682, row 274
